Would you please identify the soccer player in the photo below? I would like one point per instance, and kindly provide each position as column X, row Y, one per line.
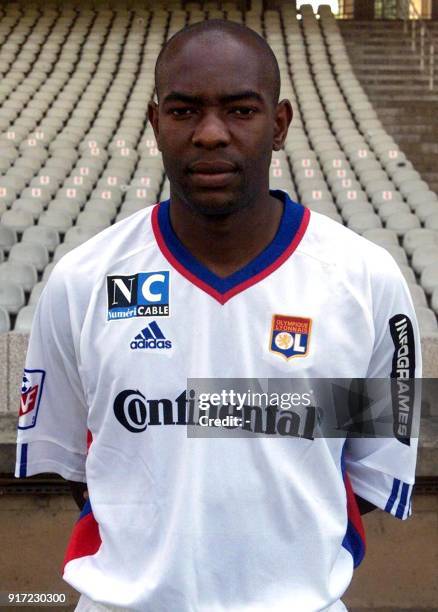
column 225, row 280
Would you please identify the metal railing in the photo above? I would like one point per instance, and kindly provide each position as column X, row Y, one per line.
column 425, row 46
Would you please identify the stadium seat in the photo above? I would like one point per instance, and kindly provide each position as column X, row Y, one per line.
column 107, row 207
column 32, row 206
column 23, row 322
column 381, row 236
column 350, row 208
column 402, row 222
column 59, row 221
column 66, row 206
column 38, row 234
column 47, row 182
column 360, row 222
column 392, row 209
column 25, row 275
column 40, row 193
column 7, row 194
column 432, row 222
column 19, row 177
column 403, row 175
column 417, row 198
column 419, row 237
column 425, row 210
column 75, row 180
column 382, row 197
column 30, row 253
column 93, row 220
column 429, row 277
column 408, row 188
column 77, row 235
column 426, row 320
column 8, row 237
column 11, row 296
column 380, row 187
column 77, row 194
column 17, row 220
column 424, row 256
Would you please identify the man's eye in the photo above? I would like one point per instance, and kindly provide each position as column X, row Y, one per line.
column 181, row 112
column 243, row 111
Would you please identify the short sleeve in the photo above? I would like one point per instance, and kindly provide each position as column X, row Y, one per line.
column 382, row 470
column 52, row 422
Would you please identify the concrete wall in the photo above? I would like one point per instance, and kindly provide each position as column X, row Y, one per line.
column 398, row 573
column 12, row 356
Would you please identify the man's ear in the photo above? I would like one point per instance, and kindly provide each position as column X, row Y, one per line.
column 283, row 118
column 153, row 119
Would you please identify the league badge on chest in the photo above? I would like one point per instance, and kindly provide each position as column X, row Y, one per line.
column 31, row 391
column 290, row 336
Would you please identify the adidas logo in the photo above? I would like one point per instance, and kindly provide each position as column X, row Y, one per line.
column 151, row 337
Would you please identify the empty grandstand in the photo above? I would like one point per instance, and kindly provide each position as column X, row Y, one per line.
column 77, row 154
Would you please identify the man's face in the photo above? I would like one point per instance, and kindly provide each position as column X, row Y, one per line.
column 216, row 123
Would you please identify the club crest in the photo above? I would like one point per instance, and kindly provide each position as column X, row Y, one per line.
column 290, row 336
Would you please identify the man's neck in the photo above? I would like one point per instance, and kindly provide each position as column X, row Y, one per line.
column 226, row 244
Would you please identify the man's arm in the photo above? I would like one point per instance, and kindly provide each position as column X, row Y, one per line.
column 79, row 492
column 52, row 425
column 382, row 469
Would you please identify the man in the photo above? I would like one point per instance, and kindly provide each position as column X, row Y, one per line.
column 225, row 280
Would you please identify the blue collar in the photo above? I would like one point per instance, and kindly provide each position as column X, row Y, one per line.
column 291, row 229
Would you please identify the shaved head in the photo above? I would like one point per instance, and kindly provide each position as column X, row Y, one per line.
column 218, row 117
column 220, row 32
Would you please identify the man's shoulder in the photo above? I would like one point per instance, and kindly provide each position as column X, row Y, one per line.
column 336, row 244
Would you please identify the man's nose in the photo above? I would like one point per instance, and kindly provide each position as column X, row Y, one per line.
column 211, row 132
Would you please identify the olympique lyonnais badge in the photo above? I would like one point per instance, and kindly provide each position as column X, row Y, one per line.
column 31, row 390
column 290, row 336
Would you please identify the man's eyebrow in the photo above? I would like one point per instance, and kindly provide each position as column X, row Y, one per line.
column 176, row 96
column 242, row 95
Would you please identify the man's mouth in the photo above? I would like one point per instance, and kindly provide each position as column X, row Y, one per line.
column 213, row 174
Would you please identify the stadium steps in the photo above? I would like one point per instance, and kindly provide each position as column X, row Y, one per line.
column 415, row 130
column 397, row 88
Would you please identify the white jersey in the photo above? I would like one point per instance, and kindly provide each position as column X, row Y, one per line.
column 183, row 524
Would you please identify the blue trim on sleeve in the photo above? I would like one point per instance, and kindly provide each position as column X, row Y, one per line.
column 290, row 223
column 403, row 498
column 23, row 461
column 393, row 496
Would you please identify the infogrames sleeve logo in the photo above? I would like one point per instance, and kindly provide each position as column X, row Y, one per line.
column 290, row 336
column 145, row 294
column 31, row 392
